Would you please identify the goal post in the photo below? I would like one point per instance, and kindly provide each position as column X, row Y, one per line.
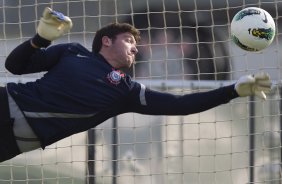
column 185, row 48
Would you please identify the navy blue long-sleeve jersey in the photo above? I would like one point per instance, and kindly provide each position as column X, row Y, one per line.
column 81, row 90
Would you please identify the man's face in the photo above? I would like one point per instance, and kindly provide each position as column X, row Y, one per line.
column 124, row 50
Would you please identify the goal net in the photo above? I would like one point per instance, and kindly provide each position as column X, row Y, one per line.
column 185, row 48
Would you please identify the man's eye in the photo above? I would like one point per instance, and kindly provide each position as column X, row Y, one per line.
column 129, row 40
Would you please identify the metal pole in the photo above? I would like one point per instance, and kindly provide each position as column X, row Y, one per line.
column 91, row 156
column 280, row 96
column 252, row 140
column 114, row 149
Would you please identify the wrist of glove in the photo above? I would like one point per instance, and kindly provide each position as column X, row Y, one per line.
column 53, row 24
column 258, row 85
column 38, row 42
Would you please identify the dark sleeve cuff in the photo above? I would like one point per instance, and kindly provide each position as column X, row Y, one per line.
column 230, row 92
column 40, row 42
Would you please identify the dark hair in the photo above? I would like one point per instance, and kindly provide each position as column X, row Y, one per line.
column 111, row 31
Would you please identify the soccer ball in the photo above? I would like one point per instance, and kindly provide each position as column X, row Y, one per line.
column 252, row 29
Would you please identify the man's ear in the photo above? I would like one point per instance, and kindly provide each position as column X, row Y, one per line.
column 106, row 41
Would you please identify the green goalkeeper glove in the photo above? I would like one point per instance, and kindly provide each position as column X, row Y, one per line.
column 258, row 84
column 53, row 24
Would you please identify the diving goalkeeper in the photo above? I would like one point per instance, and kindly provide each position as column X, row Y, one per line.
column 81, row 88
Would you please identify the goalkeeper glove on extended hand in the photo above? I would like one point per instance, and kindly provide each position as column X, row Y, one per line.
column 257, row 84
column 53, row 24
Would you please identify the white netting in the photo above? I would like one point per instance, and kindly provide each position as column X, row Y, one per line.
column 185, row 48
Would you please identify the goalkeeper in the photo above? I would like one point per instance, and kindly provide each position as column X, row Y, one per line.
column 82, row 89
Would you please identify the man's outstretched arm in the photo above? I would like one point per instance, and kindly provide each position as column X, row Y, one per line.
column 159, row 103
column 51, row 26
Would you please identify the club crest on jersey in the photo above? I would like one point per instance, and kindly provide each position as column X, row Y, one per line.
column 115, row 76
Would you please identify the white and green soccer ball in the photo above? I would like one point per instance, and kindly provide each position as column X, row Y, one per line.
column 252, row 29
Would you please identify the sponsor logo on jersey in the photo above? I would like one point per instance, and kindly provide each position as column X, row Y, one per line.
column 115, row 77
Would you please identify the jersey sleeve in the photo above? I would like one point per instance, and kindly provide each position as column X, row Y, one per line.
column 147, row 101
column 25, row 59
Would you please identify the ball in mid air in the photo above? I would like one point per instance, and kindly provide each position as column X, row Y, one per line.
column 252, row 29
